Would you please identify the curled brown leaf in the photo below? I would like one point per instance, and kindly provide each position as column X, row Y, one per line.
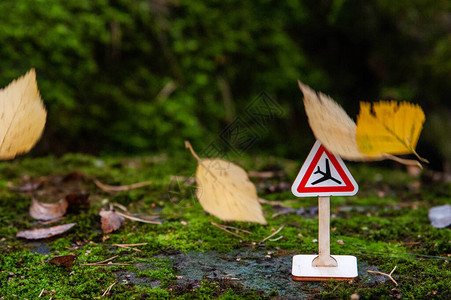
column 110, row 220
column 63, row 260
column 43, row 233
column 47, row 211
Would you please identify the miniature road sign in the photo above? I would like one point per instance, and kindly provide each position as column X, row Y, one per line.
column 323, row 174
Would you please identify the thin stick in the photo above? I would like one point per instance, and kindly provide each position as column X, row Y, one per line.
column 385, row 274
column 119, row 206
column 108, row 264
column 286, row 211
column 271, row 235
column 101, row 262
column 226, row 230
column 109, row 289
column 125, row 247
column 238, row 229
column 120, row 188
column 129, row 246
column 137, row 219
column 40, row 294
column 273, row 203
column 276, row 239
column 227, row 276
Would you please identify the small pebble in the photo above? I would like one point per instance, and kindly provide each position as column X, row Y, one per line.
column 355, row 296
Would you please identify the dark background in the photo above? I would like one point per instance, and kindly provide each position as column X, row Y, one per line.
column 141, row 76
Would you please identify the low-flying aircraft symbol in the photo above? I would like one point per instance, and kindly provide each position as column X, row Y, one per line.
column 326, row 175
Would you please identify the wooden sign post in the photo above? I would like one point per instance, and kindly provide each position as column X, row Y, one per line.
column 324, row 259
column 323, row 174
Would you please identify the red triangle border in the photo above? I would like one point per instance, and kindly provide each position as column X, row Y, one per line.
column 299, row 188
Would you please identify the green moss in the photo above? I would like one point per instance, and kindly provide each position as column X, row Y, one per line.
column 381, row 230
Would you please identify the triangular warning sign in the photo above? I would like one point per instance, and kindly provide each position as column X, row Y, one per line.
column 323, row 174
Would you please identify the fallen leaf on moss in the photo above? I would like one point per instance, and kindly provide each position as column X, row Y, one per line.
column 225, row 191
column 23, row 116
column 110, row 220
column 63, row 260
column 43, row 233
column 47, row 211
column 111, row 189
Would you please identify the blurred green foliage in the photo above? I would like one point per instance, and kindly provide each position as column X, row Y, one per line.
column 125, row 76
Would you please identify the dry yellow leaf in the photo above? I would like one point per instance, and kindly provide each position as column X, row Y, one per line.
column 332, row 126
column 225, row 191
column 390, row 127
column 392, row 130
column 23, row 116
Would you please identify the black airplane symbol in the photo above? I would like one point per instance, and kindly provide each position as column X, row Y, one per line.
column 326, row 175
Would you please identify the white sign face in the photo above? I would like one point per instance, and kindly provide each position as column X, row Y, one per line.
column 323, row 174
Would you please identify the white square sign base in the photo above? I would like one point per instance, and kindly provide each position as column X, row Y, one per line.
column 304, row 271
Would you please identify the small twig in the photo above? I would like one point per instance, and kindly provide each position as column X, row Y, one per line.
column 276, row 239
column 237, row 229
column 385, row 274
column 226, row 230
column 107, row 264
column 227, row 276
column 115, row 204
column 40, row 294
column 121, row 188
column 101, row 262
column 109, row 288
column 273, row 203
column 129, row 246
column 125, row 247
column 284, row 211
column 137, row 219
column 271, row 235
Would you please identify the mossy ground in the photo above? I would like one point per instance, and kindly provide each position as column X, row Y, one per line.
column 384, row 225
